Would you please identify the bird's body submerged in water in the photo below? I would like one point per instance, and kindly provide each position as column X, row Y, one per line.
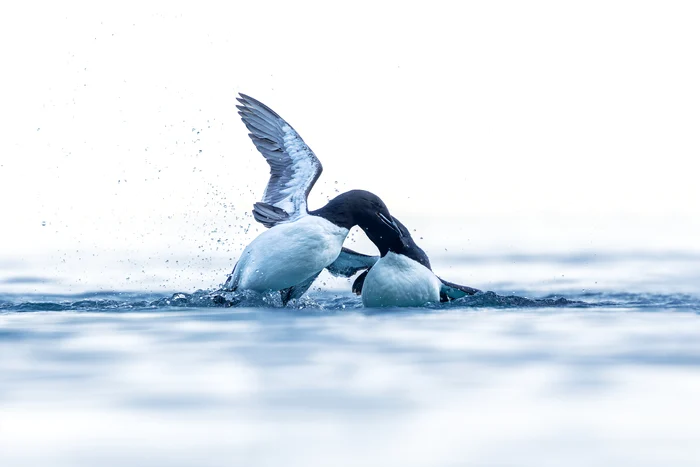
column 402, row 275
column 397, row 280
column 299, row 243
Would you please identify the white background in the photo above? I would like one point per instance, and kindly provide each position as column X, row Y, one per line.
column 485, row 126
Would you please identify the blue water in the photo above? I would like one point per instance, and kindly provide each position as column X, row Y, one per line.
column 547, row 370
column 333, row 302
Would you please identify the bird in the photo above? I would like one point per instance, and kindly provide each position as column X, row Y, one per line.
column 299, row 243
column 400, row 276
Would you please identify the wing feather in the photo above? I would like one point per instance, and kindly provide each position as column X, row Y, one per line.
column 349, row 262
column 294, row 168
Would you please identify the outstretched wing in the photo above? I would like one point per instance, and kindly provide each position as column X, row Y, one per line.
column 294, row 168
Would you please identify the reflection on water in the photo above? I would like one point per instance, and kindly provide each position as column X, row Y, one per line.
column 313, row 387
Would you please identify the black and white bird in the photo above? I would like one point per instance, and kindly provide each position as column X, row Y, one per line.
column 400, row 276
column 299, row 243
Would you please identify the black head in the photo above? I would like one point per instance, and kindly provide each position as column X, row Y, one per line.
column 360, row 207
column 394, row 236
column 355, row 207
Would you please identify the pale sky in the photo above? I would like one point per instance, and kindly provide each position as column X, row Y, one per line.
column 120, row 131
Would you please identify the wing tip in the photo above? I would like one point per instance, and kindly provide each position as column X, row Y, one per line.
column 253, row 104
column 448, row 288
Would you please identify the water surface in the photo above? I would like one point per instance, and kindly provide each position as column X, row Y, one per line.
column 539, row 372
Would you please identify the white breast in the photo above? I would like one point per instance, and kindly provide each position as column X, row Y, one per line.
column 288, row 254
column 396, row 280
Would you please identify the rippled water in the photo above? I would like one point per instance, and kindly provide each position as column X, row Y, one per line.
column 549, row 369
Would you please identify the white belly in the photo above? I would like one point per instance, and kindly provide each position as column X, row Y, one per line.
column 288, row 254
column 396, row 280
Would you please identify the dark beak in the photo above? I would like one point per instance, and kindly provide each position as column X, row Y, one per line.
column 390, row 223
